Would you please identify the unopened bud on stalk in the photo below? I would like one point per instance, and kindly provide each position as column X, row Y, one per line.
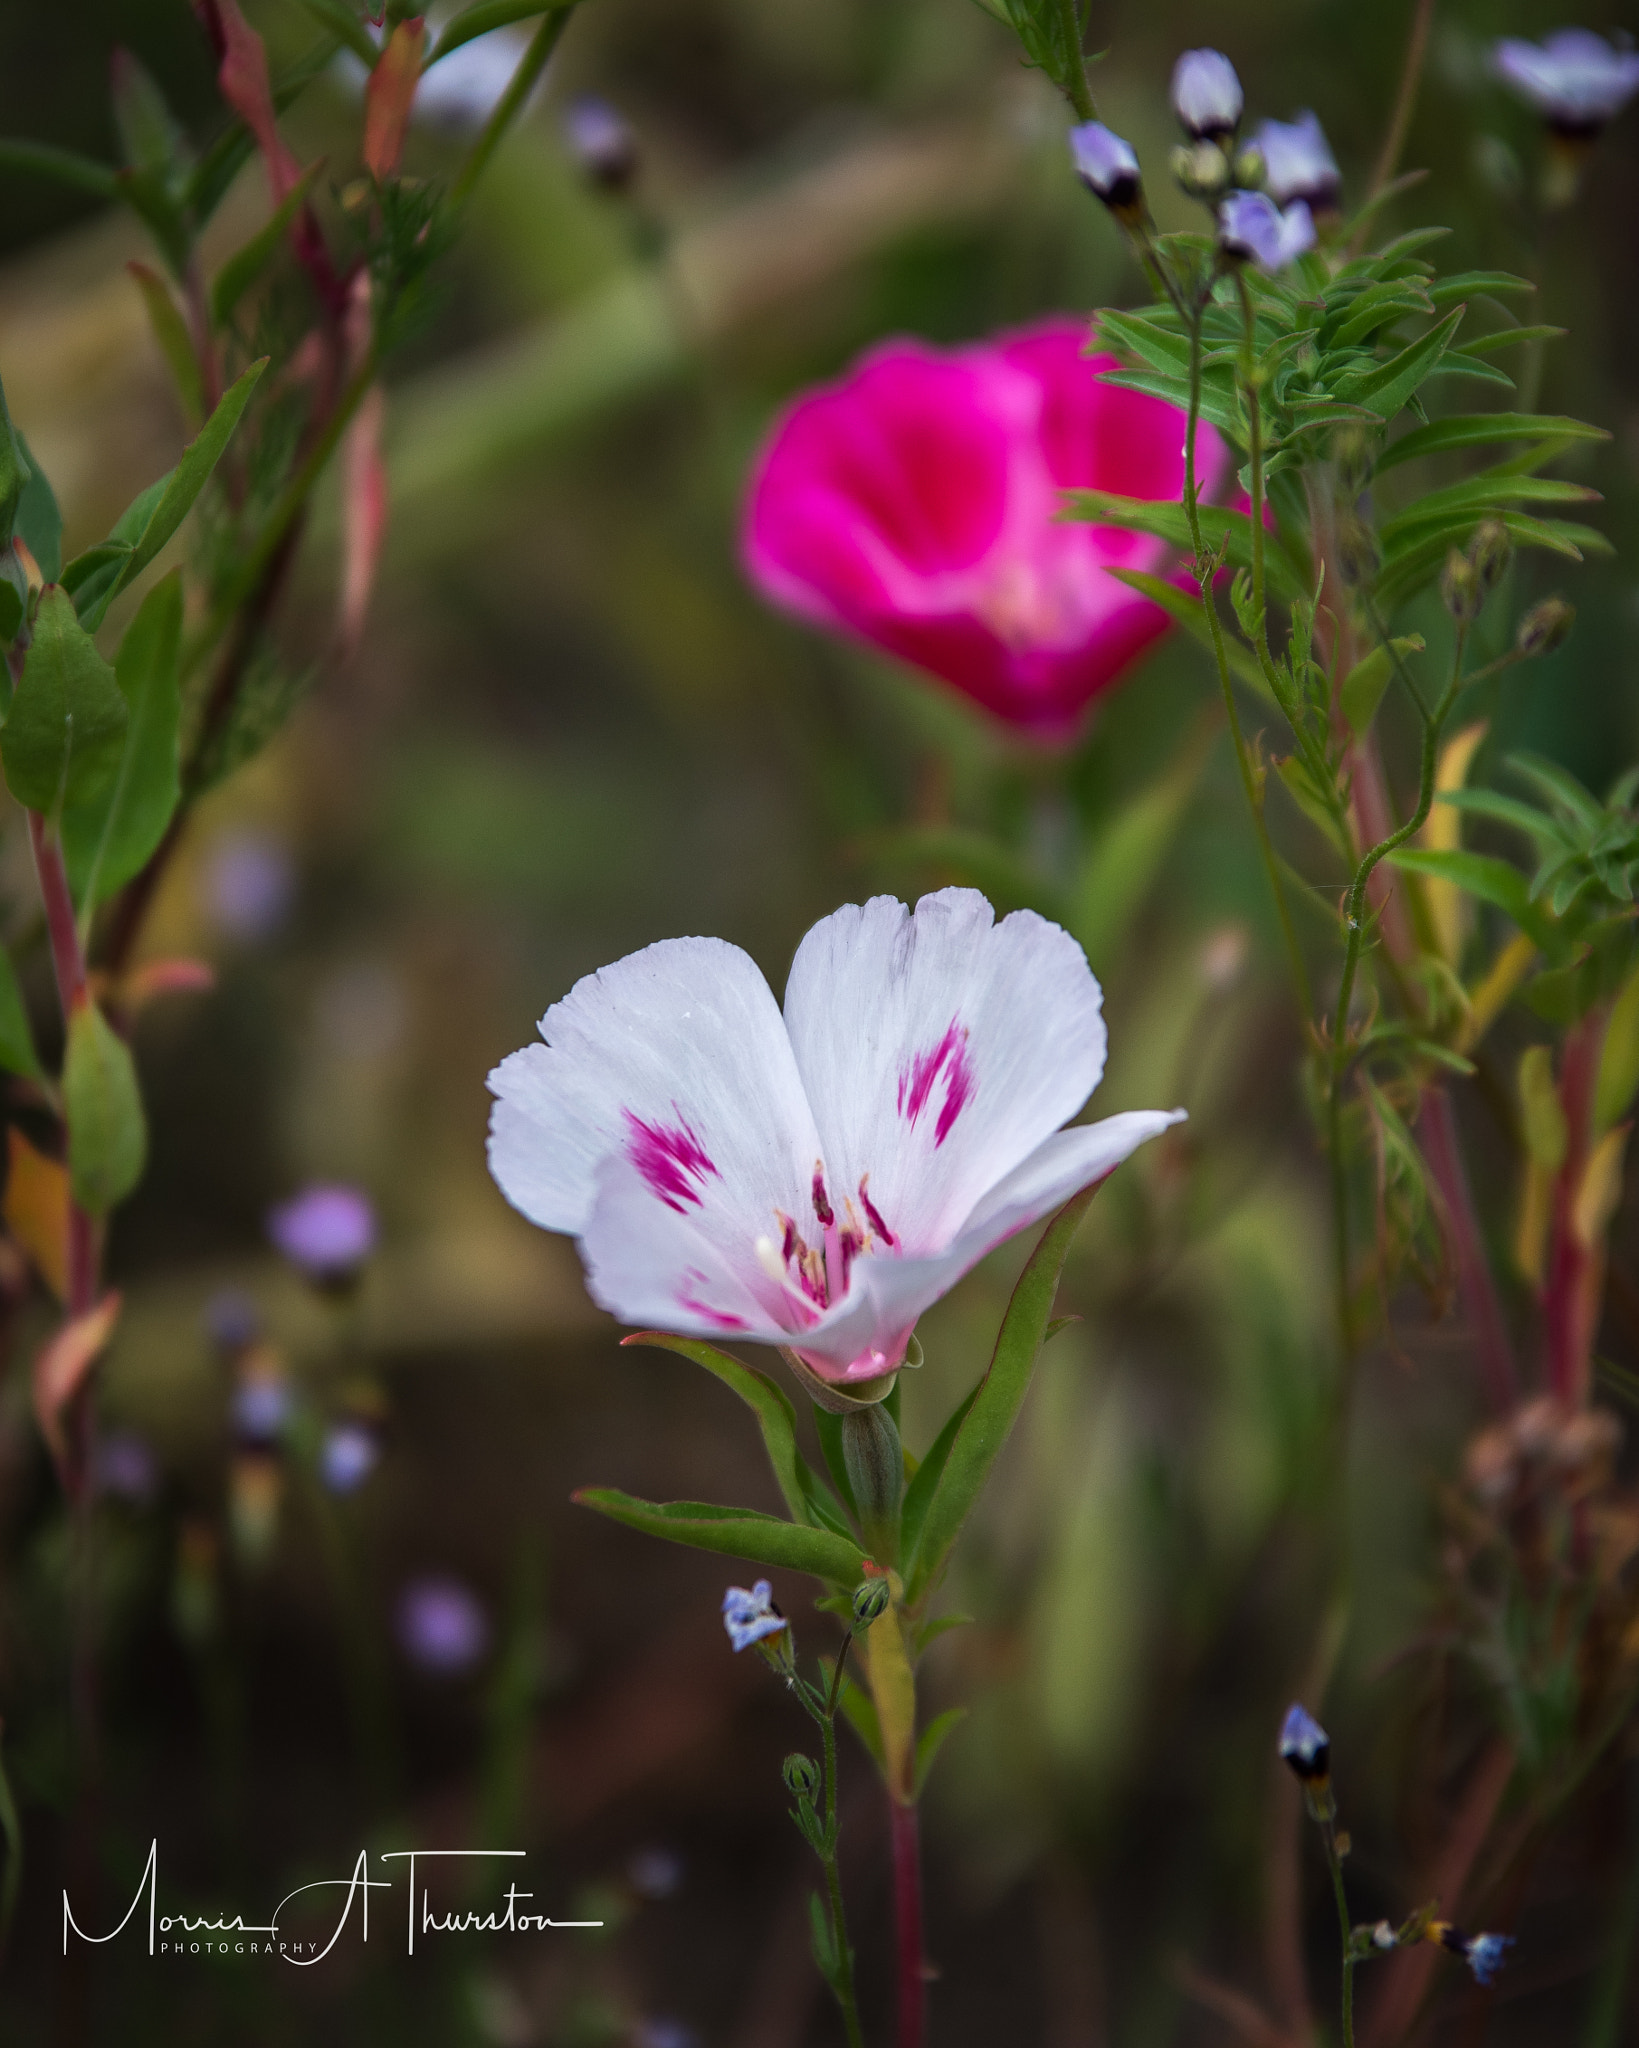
column 870, row 1600
column 1358, row 555
column 1491, row 550
column 1202, row 170
column 1461, row 591
column 600, row 142
column 1108, row 167
column 1545, row 627
column 1305, row 1747
column 1249, row 169
column 1354, row 451
column 802, row 1777
column 1206, row 94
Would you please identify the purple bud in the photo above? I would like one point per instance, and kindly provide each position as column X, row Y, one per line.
column 1576, row 80
column 348, row 1456
column 749, row 1617
column 326, row 1231
column 1304, row 1744
column 1206, row 94
column 441, row 1626
column 600, row 142
column 1106, row 164
column 1250, row 224
column 1486, row 1954
column 1298, row 162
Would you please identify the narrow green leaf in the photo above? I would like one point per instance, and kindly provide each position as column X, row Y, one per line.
column 1387, row 386
column 108, row 839
column 732, row 1532
column 17, row 1054
column 343, row 23
column 246, row 265
column 1507, row 337
column 171, row 332
column 1169, row 522
column 999, row 1396
column 170, row 501
column 933, row 1739
column 1365, row 683
column 62, row 166
column 1493, row 881
column 66, row 728
column 1191, row 615
column 828, row 1428
column 39, row 520
column 1474, row 284
column 919, row 1494
column 484, row 15
column 107, row 1132
column 1481, row 429
column 1619, row 1060
column 776, row 1417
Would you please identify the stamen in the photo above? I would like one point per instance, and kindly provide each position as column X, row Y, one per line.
column 822, row 1207
column 875, row 1214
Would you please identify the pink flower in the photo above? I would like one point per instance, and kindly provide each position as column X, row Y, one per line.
column 916, row 505
column 813, row 1180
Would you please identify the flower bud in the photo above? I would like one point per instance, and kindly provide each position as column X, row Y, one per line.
column 1354, row 452
column 802, row 1777
column 1491, row 550
column 1201, row 169
column 1298, row 162
column 1461, row 591
column 1545, row 627
column 1108, row 167
column 1305, row 1747
column 1358, row 555
column 1206, row 94
column 600, row 142
column 1249, row 169
column 870, row 1600
column 1250, row 224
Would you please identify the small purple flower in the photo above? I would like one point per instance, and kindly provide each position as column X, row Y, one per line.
column 1486, row 1954
column 441, row 1626
column 261, row 1407
column 348, row 1456
column 462, row 89
column 1251, row 224
column 1575, row 79
column 1298, row 162
column 1106, row 164
column 326, row 1231
column 654, row 1872
column 600, row 141
column 749, row 1617
column 1304, row 1744
column 664, row 2033
column 124, row 1467
column 1206, row 94
column 249, row 882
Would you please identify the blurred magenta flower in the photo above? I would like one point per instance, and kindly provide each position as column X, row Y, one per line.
column 819, row 1179
column 915, row 504
column 441, row 1626
column 326, row 1231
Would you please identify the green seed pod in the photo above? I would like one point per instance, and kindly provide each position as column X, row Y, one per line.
column 1202, row 170
column 802, row 1777
column 1250, row 169
column 870, row 1600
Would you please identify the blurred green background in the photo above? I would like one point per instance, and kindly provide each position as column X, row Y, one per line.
column 573, row 729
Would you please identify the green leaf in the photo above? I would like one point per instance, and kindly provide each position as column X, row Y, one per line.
column 913, row 1511
column 1493, row 881
column 828, row 1428
column 118, row 561
column 1386, row 386
column 933, row 1739
column 1481, row 429
column 63, row 736
column 1191, row 615
column 63, row 166
column 1169, row 522
column 246, row 265
column 17, row 1054
column 733, row 1532
column 484, row 15
column 1365, row 683
column 38, row 519
column 1619, row 1059
column 998, row 1397
column 170, row 331
column 1474, row 284
column 775, row 1415
column 344, row 24
column 108, row 839
column 14, row 473
column 1125, row 854
column 1507, row 337
column 107, row 1132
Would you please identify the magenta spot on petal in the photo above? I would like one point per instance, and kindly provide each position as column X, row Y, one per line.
column 916, row 1082
column 672, row 1161
column 847, row 1247
column 874, row 1215
column 724, row 1318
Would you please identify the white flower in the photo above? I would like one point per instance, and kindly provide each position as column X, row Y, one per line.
column 1297, row 161
column 1576, row 80
column 1206, row 94
column 819, row 1179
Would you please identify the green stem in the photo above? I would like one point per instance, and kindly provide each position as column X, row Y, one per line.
column 1076, row 88
column 1334, row 1863
column 844, row 1986
column 1203, row 570
column 510, row 104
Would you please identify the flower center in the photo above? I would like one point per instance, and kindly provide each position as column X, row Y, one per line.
column 813, row 1275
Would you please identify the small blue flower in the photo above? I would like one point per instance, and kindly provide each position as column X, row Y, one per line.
column 599, row 140
column 1250, row 224
column 441, row 1626
column 1576, row 80
column 261, row 1407
column 1206, row 94
column 1486, row 1954
column 750, row 1617
column 1304, row 1744
column 1105, row 163
column 348, row 1456
column 327, row 1232
column 1298, row 162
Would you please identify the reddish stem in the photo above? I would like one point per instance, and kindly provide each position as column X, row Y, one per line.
column 907, row 1888
column 1476, row 1289
column 66, row 959
column 1569, row 1296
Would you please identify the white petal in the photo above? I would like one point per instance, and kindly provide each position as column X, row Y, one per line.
column 674, row 1059
column 889, row 1294
column 938, row 1051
